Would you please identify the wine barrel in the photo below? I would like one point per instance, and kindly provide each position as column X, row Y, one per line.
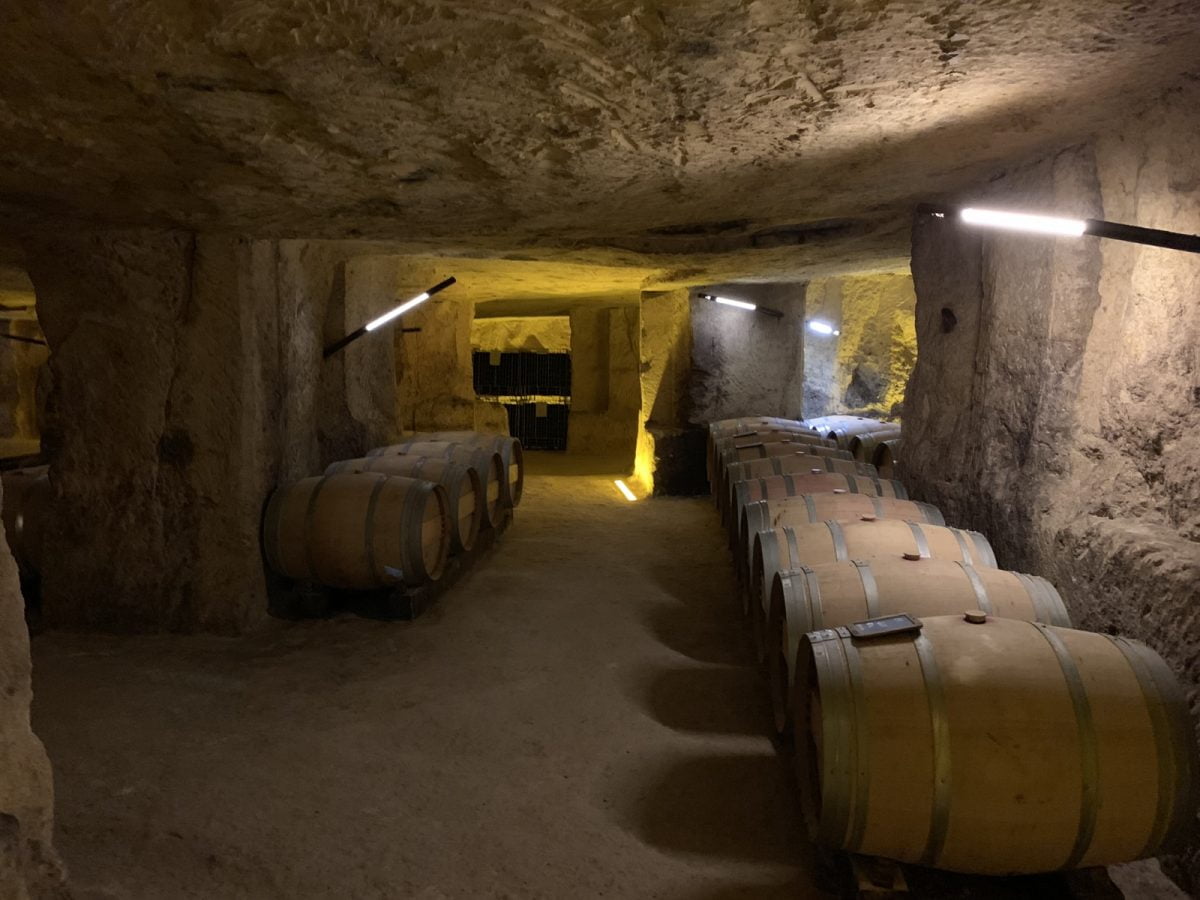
column 775, row 487
column 27, row 498
column 358, row 531
column 464, row 490
column 834, row 594
column 728, row 456
column 789, row 548
column 512, row 454
column 886, row 458
column 997, row 748
column 862, row 446
column 841, row 428
column 796, row 464
column 810, row 509
column 487, row 463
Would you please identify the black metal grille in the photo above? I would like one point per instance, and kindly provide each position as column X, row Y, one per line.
column 522, row 374
column 540, row 426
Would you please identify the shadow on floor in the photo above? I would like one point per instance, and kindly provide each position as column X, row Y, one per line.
column 716, row 700
column 725, row 807
column 720, row 637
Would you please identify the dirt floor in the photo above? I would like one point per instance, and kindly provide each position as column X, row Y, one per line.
column 576, row 718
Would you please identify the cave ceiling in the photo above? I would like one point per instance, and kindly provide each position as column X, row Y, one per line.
column 697, row 140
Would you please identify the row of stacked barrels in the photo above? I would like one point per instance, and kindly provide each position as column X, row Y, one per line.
column 393, row 518
column 985, row 735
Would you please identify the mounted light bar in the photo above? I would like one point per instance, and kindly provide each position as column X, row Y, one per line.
column 822, row 327
column 1062, row 227
column 624, row 489
column 994, row 218
column 742, row 304
column 389, row 316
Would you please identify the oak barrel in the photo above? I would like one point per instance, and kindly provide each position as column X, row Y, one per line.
column 998, row 748
column 512, row 454
column 26, row 502
column 487, row 463
column 833, row 594
column 862, row 446
column 464, row 490
column 789, row 548
column 774, row 487
column 721, row 450
column 810, row 509
column 886, row 458
column 840, row 429
column 358, row 531
column 794, row 464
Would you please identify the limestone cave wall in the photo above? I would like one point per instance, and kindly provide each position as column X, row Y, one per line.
column 746, row 363
column 21, row 365
column 606, row 396
column 187, row 382
column 522, row 334
column 1055, row 403
column 29, row 866
column 865, row 368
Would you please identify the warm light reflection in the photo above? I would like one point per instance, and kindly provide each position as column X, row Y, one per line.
column 398, row 311
column 624, row 489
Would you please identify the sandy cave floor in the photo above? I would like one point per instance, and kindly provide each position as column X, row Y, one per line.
column 578, row 717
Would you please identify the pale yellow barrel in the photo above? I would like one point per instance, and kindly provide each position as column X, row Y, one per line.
column 722, row 450
column 886, row 458
column 862, row 446
column 512, row 455
column 464, row 490
column 27, row 498
column 802, row 462
column 775, row 487
column 787, row 549
column 998, row 748
column 487, row 463
column 810, row 509
column 829, row 595
column 358, row 531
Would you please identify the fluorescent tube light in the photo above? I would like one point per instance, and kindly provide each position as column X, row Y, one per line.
column 624, row 489
column 398, row 311
column 822, row 327
column 740, row 304
column 992, row 218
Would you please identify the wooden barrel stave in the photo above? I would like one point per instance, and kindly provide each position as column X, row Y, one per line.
column 793, row 546
column 1026, row 748
column 811, row 509
column 487, row 463
column 795, row 464
column 830, row 595
column 862, row 446
column 358, row 531
column 464, row 490
column 886, row 458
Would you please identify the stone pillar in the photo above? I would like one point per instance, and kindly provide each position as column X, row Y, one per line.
column 670, row 453
column 606, row 395
column 188, row 381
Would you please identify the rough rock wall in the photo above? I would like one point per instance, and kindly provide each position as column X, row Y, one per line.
column 187, row 382
column 29, row 867
column 20, row 365
column 517, row 334
column 864, row 368
column 667, row 453
column 606, row 395
column 1054, row 404
column 746, row 363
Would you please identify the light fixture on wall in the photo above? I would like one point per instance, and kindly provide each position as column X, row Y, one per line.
column 742, row 304
column 389, row 316
column 822, row 327
column 1064, row 227
column 625, row 491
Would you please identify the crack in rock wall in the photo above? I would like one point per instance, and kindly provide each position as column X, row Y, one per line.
column 1055, row 403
